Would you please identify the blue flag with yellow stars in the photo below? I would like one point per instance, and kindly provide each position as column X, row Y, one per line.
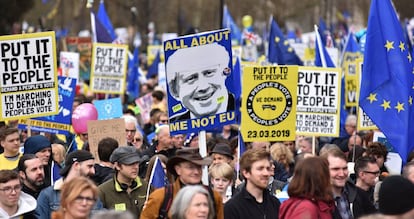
column 280, row 51
column 228, row 22
column 387, row 83
column 158, row 178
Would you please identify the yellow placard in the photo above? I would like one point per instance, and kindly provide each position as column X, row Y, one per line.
column 45, row 124
column 349, row 67
column 269, row 103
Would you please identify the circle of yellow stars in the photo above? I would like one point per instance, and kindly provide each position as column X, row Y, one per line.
column 285, row 43
column 386, row 104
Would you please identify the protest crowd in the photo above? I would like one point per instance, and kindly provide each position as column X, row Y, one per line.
column 197, row 130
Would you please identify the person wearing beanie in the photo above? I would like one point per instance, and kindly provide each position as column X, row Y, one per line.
column 396, row 197
column 40, row 146
column 78, row 163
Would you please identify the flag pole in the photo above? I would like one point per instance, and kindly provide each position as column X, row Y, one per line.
column 202, row 145
column 151, row 177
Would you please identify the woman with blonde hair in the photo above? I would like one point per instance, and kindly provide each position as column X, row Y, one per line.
column 58, row 154
column 192, row 201
column 284, row 156
column 78, row 196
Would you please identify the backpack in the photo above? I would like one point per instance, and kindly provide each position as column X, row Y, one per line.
column 168, row 199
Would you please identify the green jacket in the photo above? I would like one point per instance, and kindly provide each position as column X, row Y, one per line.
column 114, row 197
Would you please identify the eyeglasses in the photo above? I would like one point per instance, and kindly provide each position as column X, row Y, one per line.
column 377, row 173
column 130, row 130
column 82, row 199
column 163, row 121
column 137, row 139
column 10, row 189
column 84, row 134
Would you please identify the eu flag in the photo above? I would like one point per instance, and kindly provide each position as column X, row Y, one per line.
column 235, row 85
column 280, row 51
column 228, row 22
column 323, row 30
column 100, row 33
column 386, row 93
column 105, row 21
column 241, row 150
column 133, row 75
column 322, row 58
column 153, row 68
column 351, row 44
column 157, row 177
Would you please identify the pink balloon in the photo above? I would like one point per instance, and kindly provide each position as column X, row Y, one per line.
column 82, row 114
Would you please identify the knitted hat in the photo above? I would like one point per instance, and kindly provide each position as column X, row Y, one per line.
column 36, row 143
column 76, row 156
column 396, row 195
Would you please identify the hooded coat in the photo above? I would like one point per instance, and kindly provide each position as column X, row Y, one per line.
column 27, row 205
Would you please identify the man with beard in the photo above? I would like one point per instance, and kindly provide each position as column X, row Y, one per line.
column 253, row 201
column 40, row 146
column 31, row 172
column 125, row 191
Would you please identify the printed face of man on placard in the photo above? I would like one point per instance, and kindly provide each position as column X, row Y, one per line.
column 196, row 77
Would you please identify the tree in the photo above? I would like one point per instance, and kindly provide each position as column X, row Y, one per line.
column 11, row 12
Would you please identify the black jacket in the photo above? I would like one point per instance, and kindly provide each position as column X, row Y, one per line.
column 244, row 206
column 359, row 202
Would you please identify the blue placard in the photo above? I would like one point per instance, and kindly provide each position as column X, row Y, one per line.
column 108, row 108
column 60, row 123
column 200, row 88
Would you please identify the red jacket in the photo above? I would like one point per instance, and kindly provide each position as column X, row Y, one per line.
column 301, row 208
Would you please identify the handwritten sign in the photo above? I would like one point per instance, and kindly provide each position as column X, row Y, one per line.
column 100, row 129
